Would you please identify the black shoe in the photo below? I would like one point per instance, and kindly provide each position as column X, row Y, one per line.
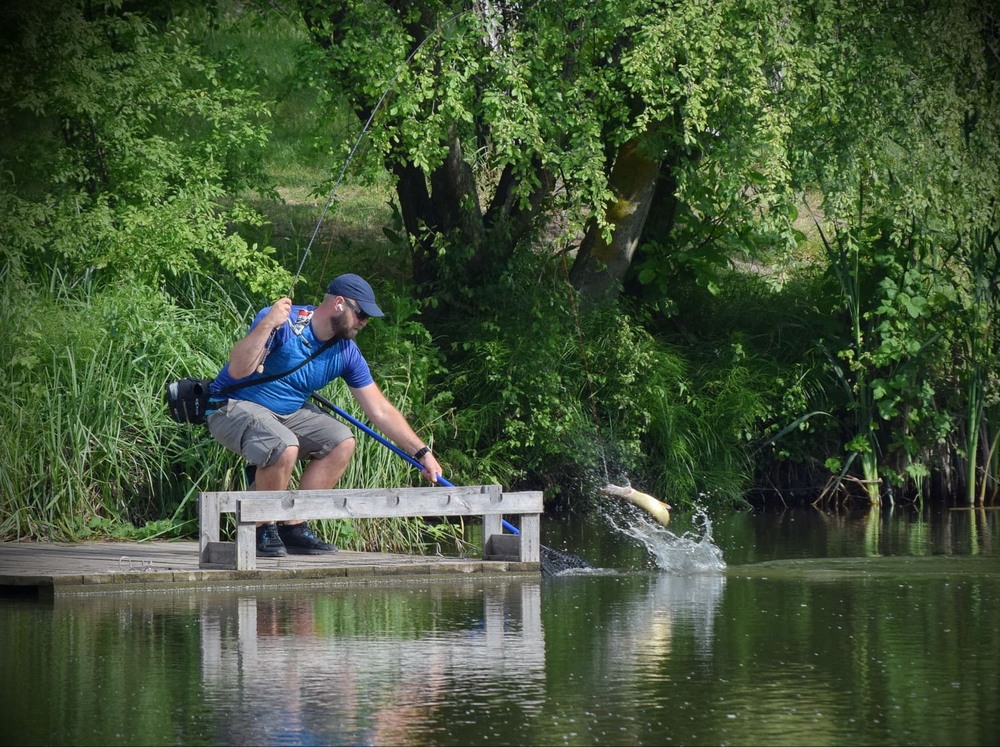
column 300, row 540
column 269, row 543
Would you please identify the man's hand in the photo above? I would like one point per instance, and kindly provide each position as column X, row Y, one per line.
column 431, row 469
column 278, row 313
column 248, row 354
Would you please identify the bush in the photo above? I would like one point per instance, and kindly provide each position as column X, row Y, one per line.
column 85, row 434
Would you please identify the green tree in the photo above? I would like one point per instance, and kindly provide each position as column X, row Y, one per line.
column 898, row 127
column 510, row 124
column 662, row 140
column 121, row 148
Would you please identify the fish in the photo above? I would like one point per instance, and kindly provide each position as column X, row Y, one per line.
column 653, row 506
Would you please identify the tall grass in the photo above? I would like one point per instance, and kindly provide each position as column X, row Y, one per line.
column 85, row 440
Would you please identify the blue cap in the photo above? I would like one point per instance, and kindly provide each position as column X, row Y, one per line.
column 355, row 287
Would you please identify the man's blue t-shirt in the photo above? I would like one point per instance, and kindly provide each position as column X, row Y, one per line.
column 287, row 349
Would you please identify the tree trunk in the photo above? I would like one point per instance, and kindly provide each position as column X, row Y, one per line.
column 600, row 265
column 663, row 208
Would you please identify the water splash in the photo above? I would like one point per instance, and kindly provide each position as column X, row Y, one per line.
column 686, row 553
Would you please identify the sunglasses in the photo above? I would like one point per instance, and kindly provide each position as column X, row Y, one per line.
column 356, row 309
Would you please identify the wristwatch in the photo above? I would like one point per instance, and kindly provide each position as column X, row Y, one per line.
column 422, row 452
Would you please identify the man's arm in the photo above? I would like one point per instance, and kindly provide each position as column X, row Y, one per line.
column 384, row 415
column 248, row 353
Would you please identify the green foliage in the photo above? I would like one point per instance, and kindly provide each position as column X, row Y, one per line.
column 895, row 111
column 531, row 103
column 876, row 348
column 85, row 433
column 573, row 402
column 516, row 374
column 121, row 146
column 137, row 158
column 975, row 308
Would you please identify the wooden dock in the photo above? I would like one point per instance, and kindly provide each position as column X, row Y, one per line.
column 46, row 569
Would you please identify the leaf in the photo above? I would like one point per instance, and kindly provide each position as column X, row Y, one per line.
column 915, row 306
column 799, row 421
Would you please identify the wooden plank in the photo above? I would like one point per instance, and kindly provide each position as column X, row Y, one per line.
column 208, row 522
column 531, row 548
column 219, row 554
column 227, row 499
column 492, row 524
column 62, row 570
column 254, row 507
column 318, row 504
column 502, row 547
column 246, row 547
column 210, row 508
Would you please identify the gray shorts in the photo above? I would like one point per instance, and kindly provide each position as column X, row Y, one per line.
column 260, row 436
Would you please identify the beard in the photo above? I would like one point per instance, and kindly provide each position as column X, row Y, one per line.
column 341, row 327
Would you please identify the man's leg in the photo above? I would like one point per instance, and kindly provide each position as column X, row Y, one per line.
column 278, row 475
column 275, row 476
column 323, row 473
column 328, row 445
column 258, row 435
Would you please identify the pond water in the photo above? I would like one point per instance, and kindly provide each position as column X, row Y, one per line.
column 798, row 627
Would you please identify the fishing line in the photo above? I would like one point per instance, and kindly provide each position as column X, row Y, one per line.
column 343, row 172
column 354, row 150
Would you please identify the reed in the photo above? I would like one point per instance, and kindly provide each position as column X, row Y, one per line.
column 978, row 340
column 85, row 435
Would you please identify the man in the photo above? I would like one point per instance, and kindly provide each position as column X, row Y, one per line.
column 295, row 351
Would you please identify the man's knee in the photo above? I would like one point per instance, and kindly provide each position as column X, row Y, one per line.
column 284, row 456
column 341, row 453
column 346, row 448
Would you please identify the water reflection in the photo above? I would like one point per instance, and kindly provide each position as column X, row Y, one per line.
column 365, row 666
column 673, row 610
column 859, row 532
column 882, row 628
